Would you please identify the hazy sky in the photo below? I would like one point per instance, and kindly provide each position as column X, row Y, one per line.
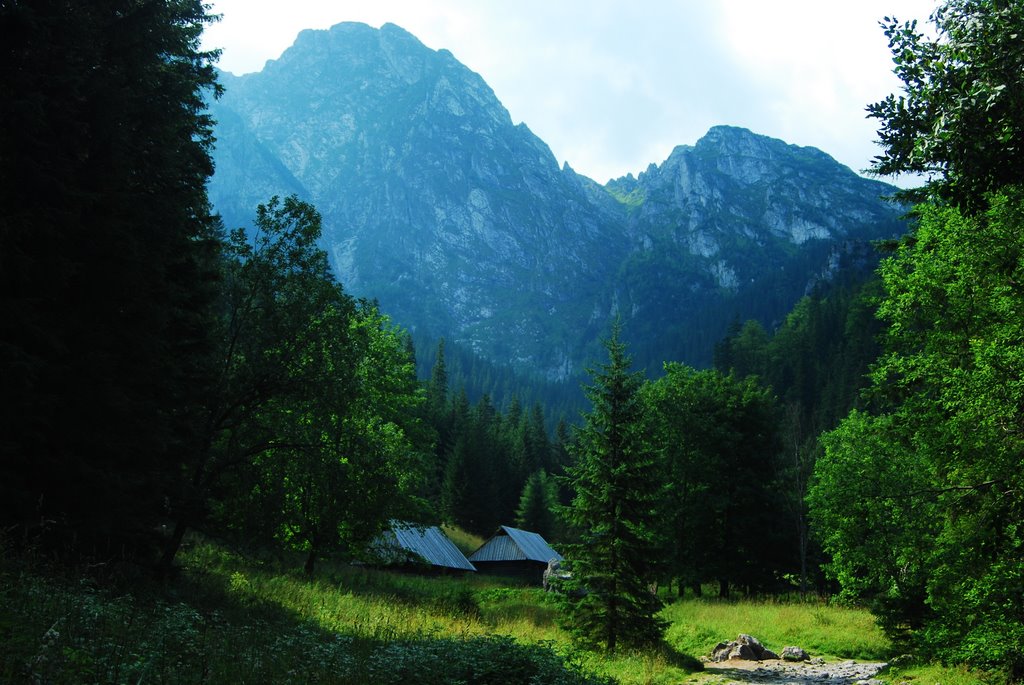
column 612, row 85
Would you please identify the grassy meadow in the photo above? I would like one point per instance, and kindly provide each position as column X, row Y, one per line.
column 228, row 618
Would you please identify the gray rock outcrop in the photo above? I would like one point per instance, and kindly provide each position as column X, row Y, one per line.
column 745, row 648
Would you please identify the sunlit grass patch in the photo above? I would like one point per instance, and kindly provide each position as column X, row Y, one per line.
column 230, row 618
column 935, row 675
column 820, row 629
column 658, row 666
column 466, row 542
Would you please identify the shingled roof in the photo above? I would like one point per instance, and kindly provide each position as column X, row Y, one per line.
column 428, row 543
column 513, row 544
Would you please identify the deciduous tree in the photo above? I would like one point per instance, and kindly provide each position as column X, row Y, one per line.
column 718, row 440
column 920, row 503
column 960, row 117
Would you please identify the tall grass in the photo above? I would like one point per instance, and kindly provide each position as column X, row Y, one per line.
column 820, row 629
column 938, row 675
column 228, row 618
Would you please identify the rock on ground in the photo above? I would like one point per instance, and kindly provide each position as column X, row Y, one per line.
column 744, row 647
column 777, row 672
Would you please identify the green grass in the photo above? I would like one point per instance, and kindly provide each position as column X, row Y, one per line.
column 227, row 618
column 822, row 630
column 935, row 675
column 466, row 542
column 631, row 200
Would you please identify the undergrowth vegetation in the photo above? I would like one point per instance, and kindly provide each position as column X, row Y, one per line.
column 228, row 618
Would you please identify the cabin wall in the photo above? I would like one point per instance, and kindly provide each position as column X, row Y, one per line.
column 529, row 571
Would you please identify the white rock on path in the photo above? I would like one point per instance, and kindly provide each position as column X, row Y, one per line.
column 795, row 673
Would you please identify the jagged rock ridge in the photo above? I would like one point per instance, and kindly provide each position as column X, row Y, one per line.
column 462, row 224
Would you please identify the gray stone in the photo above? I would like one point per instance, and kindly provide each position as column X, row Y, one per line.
column 744, row 652
column 745, row 648
column 794, row 654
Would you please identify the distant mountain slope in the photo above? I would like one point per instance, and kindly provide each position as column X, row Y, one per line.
column 738, row 226
column 462, row 224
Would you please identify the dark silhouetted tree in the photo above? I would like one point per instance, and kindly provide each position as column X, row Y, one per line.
column 107, row 253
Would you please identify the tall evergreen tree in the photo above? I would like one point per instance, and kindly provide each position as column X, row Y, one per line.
column 537, row 504
column 106, row 260
column 437, row 387
column 617, row 489
column 537, row 442
column 476, row 492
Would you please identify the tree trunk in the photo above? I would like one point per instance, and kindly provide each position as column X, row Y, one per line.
column 310, row 560
column 723, row 588
column 803, row 558
column 171, row 547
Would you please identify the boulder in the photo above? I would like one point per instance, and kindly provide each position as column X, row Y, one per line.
column 745, row 648
column 794, row 654
column 556, row 578
column 743, row 653
column 554, row 575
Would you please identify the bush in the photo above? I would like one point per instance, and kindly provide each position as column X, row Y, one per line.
column 483, row 661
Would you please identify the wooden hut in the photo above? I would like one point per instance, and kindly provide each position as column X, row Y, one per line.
column 420, row 548
column 515, row 553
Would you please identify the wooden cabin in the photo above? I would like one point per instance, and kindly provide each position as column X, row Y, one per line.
column 515, row 553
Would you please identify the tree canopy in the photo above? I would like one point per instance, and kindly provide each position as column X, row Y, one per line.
column 717, row 438
column 918, row 498
column 960, row 117
column 920, row 504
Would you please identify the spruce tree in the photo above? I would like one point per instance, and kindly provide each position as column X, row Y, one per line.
column 107, row 253
column 537, row 504
column 617, row 490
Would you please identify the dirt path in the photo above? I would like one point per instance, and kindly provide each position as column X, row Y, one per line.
column 777, row 672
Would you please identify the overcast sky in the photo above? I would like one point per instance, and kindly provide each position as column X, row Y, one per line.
column 612, row 85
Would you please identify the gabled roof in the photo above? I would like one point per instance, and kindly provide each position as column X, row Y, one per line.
column 513, row 544
column 426, row 542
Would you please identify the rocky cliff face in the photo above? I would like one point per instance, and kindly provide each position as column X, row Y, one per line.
column 462, row 224
column 743, row 226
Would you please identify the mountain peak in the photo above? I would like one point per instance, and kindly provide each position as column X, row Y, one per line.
column 463, row 225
